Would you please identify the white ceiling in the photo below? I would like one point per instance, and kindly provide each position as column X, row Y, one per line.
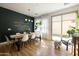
column 36, row 9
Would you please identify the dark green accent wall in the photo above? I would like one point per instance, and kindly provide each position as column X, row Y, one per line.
column 13, row 20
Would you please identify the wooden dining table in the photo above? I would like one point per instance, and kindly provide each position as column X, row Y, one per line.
column 17, row 40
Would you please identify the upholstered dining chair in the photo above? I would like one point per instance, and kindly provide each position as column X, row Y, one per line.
column 10, row 42
column 25, row 39
column 5, row 47
column 33, row 37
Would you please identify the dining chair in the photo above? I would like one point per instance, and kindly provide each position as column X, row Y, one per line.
column 25, row 39
column 33, row 37
column 5, row 47
column 10, row 42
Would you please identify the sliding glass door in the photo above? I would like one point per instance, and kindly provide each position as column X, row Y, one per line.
column 61, row 24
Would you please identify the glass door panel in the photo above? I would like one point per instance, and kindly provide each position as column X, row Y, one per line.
column 66, row 25
column 68, row 21
column 56, row 28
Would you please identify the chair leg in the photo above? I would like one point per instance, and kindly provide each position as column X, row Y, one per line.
column 10, row 48
column 72, row 48
column 23, row 44
column 67, row 47
column 32, row 41
column 40, row 38
column 29, row 41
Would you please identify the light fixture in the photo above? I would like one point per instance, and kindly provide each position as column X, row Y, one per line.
column 25, row 19
column 29, row 10
column 29, row 14
column 9, row 29
column 31, row 20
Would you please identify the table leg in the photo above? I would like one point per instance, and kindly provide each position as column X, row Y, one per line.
column 18, row 47
column 74, row 46
column 40, row 38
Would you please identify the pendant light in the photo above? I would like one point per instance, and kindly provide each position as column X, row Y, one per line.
column 29, row 14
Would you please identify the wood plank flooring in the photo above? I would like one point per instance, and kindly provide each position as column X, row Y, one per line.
column 40, row 48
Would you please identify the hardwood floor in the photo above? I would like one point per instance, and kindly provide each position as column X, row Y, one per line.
column 40, row 48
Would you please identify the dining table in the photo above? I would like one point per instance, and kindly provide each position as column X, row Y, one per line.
column 17, row 41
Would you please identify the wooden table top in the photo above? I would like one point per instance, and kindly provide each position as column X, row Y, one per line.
column 16, row 36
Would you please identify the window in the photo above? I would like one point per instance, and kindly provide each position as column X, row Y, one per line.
column 62, row 23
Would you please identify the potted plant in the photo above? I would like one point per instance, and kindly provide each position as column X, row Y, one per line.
column 38, row 24
column 71, row 31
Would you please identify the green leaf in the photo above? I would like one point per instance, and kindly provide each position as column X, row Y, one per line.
column 77, row 19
